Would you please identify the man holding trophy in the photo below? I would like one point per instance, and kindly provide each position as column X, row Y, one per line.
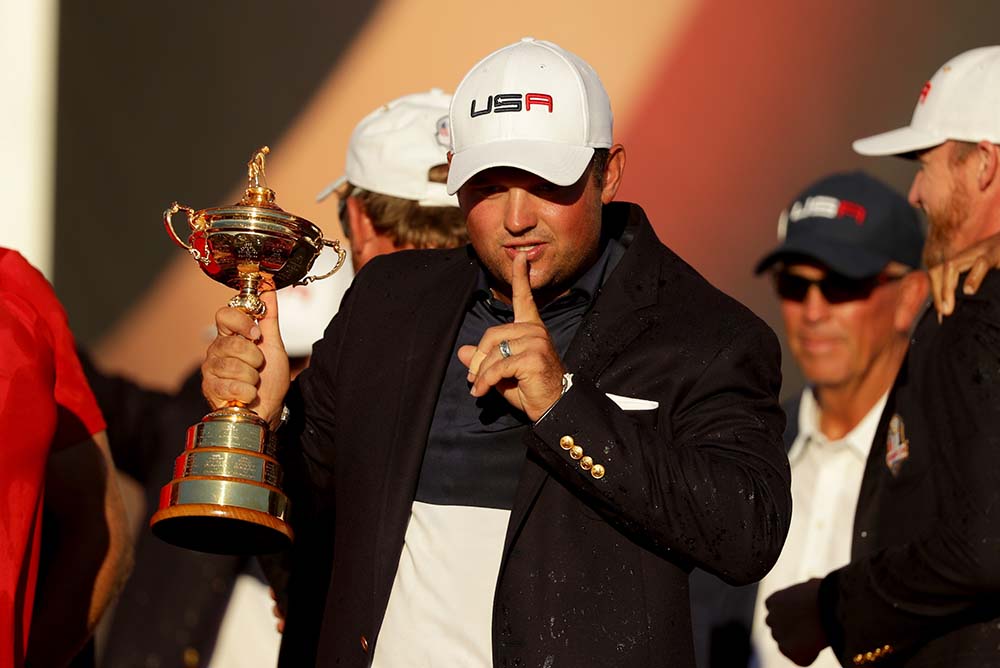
column 513, row 453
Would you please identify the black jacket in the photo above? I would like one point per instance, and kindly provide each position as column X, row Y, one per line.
column 924, row 580
column 700, row 480
column 721, row 614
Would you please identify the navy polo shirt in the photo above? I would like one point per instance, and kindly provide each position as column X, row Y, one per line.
column 474, row 450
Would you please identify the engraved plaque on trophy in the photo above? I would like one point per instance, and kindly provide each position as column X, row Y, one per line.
column 225, row 496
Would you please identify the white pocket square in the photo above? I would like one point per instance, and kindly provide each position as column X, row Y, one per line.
column 632, row 403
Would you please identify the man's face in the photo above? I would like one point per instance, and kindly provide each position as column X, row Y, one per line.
column 510, row 211
column 836, row 344
column 939, row 189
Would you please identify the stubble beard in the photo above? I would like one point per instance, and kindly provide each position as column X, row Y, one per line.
column 943, row 227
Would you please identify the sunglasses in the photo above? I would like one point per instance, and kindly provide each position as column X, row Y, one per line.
column 836, row 289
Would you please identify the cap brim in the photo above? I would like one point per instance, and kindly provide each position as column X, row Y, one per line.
column 897, row 142
column 561, row 164
column 330, row 189
column 846, row 260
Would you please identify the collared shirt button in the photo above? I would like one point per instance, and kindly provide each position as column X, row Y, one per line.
column 364, row 643
column 566, row 442
column 597, row 472
column 576, row 452
column 190, row 657
column 586, row 463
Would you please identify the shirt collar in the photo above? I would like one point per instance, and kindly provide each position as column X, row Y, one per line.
column 859, row 439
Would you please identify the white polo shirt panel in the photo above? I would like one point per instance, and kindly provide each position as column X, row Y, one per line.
column 440, row 610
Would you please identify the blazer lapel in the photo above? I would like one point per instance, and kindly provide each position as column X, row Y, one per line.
column 607, row 329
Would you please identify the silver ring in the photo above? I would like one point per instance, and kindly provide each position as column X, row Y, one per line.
column 505, row 349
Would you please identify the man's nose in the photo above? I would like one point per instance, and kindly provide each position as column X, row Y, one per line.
column 913, row 197
column 815, row 306
column 520, row 213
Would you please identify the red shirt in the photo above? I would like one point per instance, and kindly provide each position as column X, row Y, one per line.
column 45, row 404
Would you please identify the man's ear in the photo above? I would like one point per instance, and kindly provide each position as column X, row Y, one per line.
column 614, row 171
column 361, row 226
column 987, row 155
column 913, row 295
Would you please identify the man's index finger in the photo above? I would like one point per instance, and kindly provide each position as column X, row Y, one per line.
column 523, row 302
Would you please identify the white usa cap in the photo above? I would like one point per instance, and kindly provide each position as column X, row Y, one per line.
column 393, row 148
column 531, row 105
column 960, row 102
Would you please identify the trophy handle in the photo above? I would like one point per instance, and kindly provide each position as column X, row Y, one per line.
column 341, row 257
column 168, row 223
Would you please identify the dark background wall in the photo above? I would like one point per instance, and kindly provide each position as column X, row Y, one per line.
column 165, row 100
column 727, row 109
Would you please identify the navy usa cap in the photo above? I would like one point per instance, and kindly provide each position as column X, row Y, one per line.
column 851, row 223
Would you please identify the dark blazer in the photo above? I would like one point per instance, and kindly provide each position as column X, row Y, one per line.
column 593, row 572
column 721, row 614
column 924, row 580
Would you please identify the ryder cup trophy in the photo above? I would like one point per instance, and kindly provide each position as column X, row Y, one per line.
column 226, row 496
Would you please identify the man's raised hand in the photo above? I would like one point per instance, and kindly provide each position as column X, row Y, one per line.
column 247, row 362
column 530, row 376
column 977, row 259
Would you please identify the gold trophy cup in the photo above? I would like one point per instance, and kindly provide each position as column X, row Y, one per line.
column 226, row 496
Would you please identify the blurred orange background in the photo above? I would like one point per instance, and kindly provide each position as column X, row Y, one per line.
column 727, row 109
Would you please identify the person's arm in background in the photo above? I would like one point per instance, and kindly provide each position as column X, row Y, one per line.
column 977, row 259
column 86, row 551
column 61, row 463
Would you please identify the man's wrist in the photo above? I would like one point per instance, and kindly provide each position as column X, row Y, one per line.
column 280, row 419
column 567, row 383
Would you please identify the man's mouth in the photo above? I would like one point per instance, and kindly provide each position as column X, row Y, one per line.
column 533, row 250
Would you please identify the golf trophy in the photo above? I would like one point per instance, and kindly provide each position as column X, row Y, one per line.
column 226, row 495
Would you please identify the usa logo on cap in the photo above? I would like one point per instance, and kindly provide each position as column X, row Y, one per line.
column 443, row 134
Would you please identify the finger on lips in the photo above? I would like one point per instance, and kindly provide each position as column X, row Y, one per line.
column 523, row 302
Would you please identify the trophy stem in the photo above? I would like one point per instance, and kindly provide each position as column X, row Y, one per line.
column 248, row 300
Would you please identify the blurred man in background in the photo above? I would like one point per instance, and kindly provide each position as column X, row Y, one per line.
column 392, row 195
column 921, row 587
column 842, row 270
column 844, row 273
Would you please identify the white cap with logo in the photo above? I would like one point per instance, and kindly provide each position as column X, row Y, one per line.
column 531, row 105
column 393, row 148
column 960, row 102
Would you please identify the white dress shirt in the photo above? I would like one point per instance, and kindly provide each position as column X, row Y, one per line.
column 826, row 480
